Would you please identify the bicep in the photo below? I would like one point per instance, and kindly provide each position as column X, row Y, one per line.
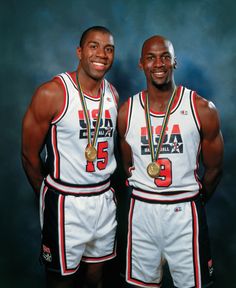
column 37, row 119
column 34, row 130
column 212, row 151
column 212, row 140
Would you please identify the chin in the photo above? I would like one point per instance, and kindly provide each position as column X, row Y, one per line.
column 161, row 84
column 97, row 76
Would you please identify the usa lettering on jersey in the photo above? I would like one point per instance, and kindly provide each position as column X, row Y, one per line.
column 106, row 128
column 172, row 143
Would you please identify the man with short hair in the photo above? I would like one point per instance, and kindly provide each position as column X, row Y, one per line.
column 74, row 116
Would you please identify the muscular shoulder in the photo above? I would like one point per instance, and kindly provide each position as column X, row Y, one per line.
column 48, row 98
column 208, row 115
column 51, row 91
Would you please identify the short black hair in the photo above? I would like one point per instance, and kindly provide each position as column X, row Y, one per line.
column 93, row 28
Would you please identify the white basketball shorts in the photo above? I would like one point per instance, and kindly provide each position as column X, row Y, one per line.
column 76, row 228
column 176, row 233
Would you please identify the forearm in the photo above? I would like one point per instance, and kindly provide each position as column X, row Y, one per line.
column 128, row 169
column 35, row 172
column 210, row 180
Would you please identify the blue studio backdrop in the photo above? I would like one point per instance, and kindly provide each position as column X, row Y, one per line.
column 39, row 40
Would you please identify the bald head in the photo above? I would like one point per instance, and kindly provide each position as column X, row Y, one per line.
column 158, row 41
column 158, row 61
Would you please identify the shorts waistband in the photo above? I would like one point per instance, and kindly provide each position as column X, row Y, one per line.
column 83, row 190
column 165, row 198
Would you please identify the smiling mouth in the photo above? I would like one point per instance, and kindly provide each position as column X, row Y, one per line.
column 159, row 74
column 99, row 64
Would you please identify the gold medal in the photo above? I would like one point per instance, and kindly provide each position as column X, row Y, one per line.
column 90, row 153
column 153, row 169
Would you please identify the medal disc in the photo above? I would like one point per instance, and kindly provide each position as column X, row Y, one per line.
column 90, row 153
column 153, row 169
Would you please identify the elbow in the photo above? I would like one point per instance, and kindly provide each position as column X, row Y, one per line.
column 24, row 159
column 220, row 170
column 27, row 159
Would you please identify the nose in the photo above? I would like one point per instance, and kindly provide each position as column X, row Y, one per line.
column 101, row 52
column 159, row 62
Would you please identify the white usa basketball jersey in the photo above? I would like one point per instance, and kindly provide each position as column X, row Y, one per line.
column 67, row 138
column 179, row 152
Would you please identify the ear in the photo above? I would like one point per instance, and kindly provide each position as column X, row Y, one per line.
column 175, row 64
column 79, row 52
column 140, row 65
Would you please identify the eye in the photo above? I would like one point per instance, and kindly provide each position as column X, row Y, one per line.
column 109, row 49
column 150, row 57
column 166, row 58
column 93, row 46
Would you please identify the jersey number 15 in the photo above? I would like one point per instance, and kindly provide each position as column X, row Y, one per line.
column 102, row 158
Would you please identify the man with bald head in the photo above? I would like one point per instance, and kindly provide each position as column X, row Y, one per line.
column 163, row 131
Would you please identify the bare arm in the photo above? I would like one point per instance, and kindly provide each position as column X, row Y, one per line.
column 124, row 147
column 45, row 105
column 212, row 146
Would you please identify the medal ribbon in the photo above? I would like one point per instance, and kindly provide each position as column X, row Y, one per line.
column 85, row 110
column 163, row 127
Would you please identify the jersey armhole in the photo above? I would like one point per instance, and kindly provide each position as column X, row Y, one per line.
column 113, row 93
column 193, row 96
column 65, row 100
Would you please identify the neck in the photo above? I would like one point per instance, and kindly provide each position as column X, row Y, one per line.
column 159, row 96
column 88, row 84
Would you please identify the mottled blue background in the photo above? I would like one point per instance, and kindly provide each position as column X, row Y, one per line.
column 38, row 40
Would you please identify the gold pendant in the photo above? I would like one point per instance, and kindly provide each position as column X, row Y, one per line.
column 153, row 169
column 90, row 153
